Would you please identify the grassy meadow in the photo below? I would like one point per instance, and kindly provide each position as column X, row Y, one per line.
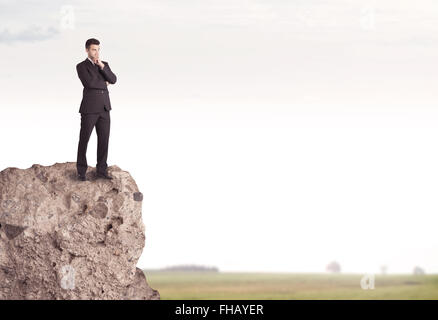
column 236, row 285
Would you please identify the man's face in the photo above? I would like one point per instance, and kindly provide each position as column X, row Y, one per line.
column 93, row 51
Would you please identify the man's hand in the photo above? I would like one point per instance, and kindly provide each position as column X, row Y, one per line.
column 107, row 83
column 99, row 62
column 109, row 76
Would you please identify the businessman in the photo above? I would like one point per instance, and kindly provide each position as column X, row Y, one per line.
column 95, row 76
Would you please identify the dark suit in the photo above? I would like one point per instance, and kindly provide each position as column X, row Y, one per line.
column 95, row 112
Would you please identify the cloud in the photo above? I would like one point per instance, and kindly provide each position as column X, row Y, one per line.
column 30, row 34
column 32, row 20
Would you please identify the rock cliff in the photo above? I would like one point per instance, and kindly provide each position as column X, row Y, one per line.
column 61, row 238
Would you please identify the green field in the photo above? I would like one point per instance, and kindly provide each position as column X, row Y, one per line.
column 224, row 285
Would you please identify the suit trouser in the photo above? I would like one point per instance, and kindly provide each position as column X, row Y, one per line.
column 102, row 122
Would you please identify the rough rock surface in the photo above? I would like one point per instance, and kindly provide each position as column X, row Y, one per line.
column 61, row 238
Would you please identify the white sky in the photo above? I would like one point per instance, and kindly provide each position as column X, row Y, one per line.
column 264, row 135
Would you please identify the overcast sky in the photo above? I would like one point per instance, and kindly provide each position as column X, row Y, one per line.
column 265, row 135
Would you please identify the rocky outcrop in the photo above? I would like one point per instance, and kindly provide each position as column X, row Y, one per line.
column 61, row 238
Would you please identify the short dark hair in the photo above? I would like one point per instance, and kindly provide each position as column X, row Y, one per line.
column 90, row 42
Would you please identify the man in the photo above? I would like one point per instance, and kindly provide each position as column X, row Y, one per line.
column 95, row 76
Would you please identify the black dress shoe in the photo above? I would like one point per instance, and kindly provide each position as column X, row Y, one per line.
column 82, row 177
column 103, row 175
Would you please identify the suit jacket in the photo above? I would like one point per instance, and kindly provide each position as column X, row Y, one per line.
column 95, row 96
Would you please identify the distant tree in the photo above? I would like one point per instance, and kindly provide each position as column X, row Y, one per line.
column 333, row 267
column 418, row 270
column 191, row 267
